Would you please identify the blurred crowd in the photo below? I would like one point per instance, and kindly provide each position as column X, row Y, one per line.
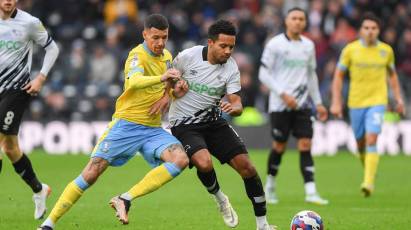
column 95, row 37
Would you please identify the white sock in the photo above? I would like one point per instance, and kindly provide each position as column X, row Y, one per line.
column 270, row 183
column 261, row 221
column 126, row 196
column 219, row 196
column 48, row 222
column 310, row 188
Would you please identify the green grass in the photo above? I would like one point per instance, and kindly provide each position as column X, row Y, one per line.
column 184, row 203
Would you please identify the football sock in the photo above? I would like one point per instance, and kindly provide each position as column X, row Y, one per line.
column 371, row 165
column 274, row 161
column 1, row 164
column 153, row 180
column 209, row 180
column 270, row 183
column 255, row 192
column 362, row 158
column 73, row 191
column 261, row 220
column 25, row 170
column 307, row 166
column 310, row 188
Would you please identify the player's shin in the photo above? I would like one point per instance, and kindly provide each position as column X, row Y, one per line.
column 307, row 171
column 255, row 192
column 209, row 180
column 1, row 164
column 73, row 191
column 371, row 165
column 24, row 168
column 153, row 180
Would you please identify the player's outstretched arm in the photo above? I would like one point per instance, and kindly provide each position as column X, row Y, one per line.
column 233, row 106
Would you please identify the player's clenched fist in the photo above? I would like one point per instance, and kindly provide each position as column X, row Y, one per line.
column 336, row 110
column 172, row 75
column 226, row 107
column 180, row 88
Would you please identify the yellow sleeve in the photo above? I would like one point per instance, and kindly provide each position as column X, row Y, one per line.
column 134, row 73
column 391, row 59
column 344, row 61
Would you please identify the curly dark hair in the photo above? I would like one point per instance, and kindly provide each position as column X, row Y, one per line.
column 221, row 27
column 157, row 21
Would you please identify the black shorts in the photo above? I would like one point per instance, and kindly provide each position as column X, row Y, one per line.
column 12, row 106
column 218, row 137
column 298, row 122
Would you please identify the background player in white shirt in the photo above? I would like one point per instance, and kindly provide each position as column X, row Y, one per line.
column 288, row 70
column 18, row 31
column 196, row 120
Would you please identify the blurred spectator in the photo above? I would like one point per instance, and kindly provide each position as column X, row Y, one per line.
column 103, row 69
column 115, row 10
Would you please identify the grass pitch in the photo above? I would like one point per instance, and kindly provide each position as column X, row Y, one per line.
column 185, row 204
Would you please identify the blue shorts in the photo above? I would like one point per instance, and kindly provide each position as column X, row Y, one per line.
column 367, row 120
column 123, row 139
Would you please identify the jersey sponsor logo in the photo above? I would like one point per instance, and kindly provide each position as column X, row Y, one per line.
column 205, row 89
column 295, row 63
column 10, row 45
column 193, row 72
column 369, row 65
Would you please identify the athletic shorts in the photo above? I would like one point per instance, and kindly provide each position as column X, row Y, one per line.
column 123, row 139
column 13, row 103
column 297, row 122
column 218, row 137
column 367, row 120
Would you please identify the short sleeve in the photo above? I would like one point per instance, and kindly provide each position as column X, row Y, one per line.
column 344, row 61
column 39, row 33
column 233, row 83
column 179, row 62
column 268, row 57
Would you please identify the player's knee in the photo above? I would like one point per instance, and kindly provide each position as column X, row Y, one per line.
column 304, row 144
column 279, row 146
column 181, row 160
column 247, row 170
column 12, row 151
column 203, row 164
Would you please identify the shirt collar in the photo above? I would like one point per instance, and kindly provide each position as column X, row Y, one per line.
column 149, row 51
column 205, row 53
column 13, row 15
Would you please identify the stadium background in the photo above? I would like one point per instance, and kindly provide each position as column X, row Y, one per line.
column 95, row 37
column 75, row 105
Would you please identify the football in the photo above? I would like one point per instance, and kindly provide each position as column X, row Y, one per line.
column 307, row 220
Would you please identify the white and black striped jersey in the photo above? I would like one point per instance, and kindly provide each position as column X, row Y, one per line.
column 288, row 66
column 17, row 35
column 208, row 84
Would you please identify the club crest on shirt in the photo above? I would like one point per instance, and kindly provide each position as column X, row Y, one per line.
column 193, row 72
column 383, row 53
column 134, row 61
column 168, row 64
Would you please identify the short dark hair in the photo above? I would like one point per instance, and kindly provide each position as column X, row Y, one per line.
column 370, row 16
column 221, row 27
column 157, row 21
column 297, row 9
